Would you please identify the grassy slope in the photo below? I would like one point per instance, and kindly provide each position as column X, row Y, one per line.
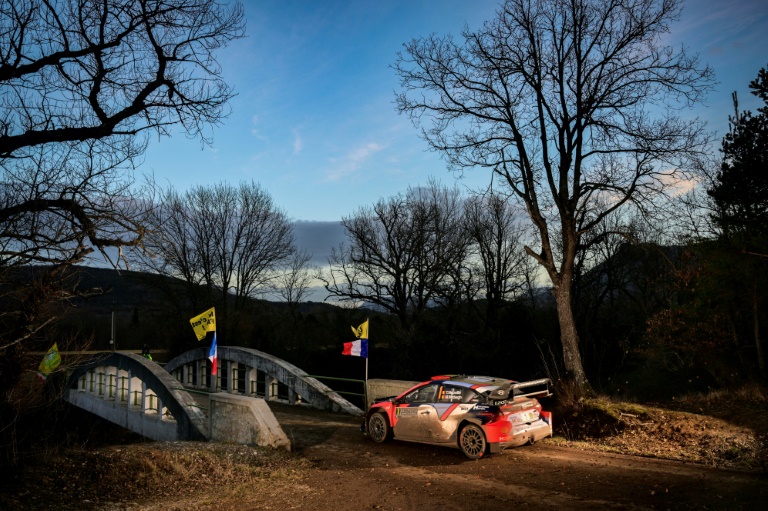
column 720, row 429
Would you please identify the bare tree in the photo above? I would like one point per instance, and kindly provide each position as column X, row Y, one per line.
column 83, row 85
column 401, row 252
column 495, row 228
column 293, row 282
column 227, row 243
column 85, row 70
column 572, row 103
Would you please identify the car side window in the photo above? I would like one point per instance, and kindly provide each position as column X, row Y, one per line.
column 450, row 394
column 470, row 396
column 425, row 394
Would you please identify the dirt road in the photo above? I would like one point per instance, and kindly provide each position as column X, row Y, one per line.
column 338, row 469
column 352, row 473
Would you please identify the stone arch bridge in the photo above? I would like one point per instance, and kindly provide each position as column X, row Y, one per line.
column 163, row 403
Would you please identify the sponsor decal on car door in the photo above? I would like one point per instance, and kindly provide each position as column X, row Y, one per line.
column 416, row 416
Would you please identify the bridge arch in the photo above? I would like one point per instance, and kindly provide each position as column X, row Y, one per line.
column 137, row 394
column 244, row 370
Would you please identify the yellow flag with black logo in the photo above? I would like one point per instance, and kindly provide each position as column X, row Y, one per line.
column 361, row 332
column 204, row 323
column 50, row 362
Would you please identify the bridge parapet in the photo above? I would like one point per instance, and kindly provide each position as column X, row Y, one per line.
column 254, row 373
column 137, row 394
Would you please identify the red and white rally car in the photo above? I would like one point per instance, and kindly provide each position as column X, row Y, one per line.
column 477, row 414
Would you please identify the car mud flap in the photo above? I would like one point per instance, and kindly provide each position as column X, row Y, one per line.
column 494, row 448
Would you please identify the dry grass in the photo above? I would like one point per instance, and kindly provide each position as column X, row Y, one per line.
column 723, row 428
column 138, row 471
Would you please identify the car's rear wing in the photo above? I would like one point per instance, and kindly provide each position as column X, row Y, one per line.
column 533, row 388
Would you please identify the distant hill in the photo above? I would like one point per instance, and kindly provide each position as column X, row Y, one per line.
column 147, row 308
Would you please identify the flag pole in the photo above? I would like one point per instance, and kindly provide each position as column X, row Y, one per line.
column 366, row 363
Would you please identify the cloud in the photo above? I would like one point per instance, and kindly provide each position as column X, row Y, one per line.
column 352, row 161
column 298, row 144
column 318, row 238
column 678, row 184
column 254, row 128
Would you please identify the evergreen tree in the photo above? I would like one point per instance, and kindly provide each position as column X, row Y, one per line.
column 740, row 196
column 740, row 191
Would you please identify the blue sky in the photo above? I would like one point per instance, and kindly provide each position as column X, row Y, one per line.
column 314, row 121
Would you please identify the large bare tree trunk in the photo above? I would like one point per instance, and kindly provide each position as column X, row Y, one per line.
column 569, row 337
column 562, row 282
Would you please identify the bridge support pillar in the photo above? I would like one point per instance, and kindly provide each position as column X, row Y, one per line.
column 110, row 383
column 232, row 377
column 271, row 385
column 201, row 374
column 130, row 388
column 144, row 397
column 137, row 395
column 118, row 390
column 251, row 385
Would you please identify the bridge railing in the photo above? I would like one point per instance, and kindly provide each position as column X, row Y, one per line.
column 116, row 388
column 138, row 394
column 362, row 395
column 254, row 373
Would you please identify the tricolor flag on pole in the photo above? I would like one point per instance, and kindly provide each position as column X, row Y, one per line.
column 213, row 355
column 202, row 324
column 358, row 348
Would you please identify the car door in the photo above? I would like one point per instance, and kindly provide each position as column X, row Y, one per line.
column 416, row 416
column 454, row 401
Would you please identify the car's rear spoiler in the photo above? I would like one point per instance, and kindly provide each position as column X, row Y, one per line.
column 533, row 388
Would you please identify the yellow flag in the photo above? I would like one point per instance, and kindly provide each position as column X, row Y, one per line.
column 361, row 332
column 50, row 362
column 205, row 322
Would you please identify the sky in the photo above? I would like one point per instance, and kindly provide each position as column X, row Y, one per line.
column 314, row 120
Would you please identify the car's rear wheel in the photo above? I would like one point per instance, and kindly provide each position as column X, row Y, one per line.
column 472, row 442
column 378, row 428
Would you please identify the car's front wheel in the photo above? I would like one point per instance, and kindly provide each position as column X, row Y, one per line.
column 472, row 442
column 378, row 428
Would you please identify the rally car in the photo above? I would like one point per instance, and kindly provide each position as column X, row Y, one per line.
column 477, row 414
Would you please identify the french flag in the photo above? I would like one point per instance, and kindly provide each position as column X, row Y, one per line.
column 213, row 355
column 358, row 348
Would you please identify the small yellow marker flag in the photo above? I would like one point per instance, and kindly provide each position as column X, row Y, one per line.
column 50, row 362
column 205, row 322
column 361, row 332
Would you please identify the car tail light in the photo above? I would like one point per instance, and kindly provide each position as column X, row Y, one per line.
column 490, row 416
